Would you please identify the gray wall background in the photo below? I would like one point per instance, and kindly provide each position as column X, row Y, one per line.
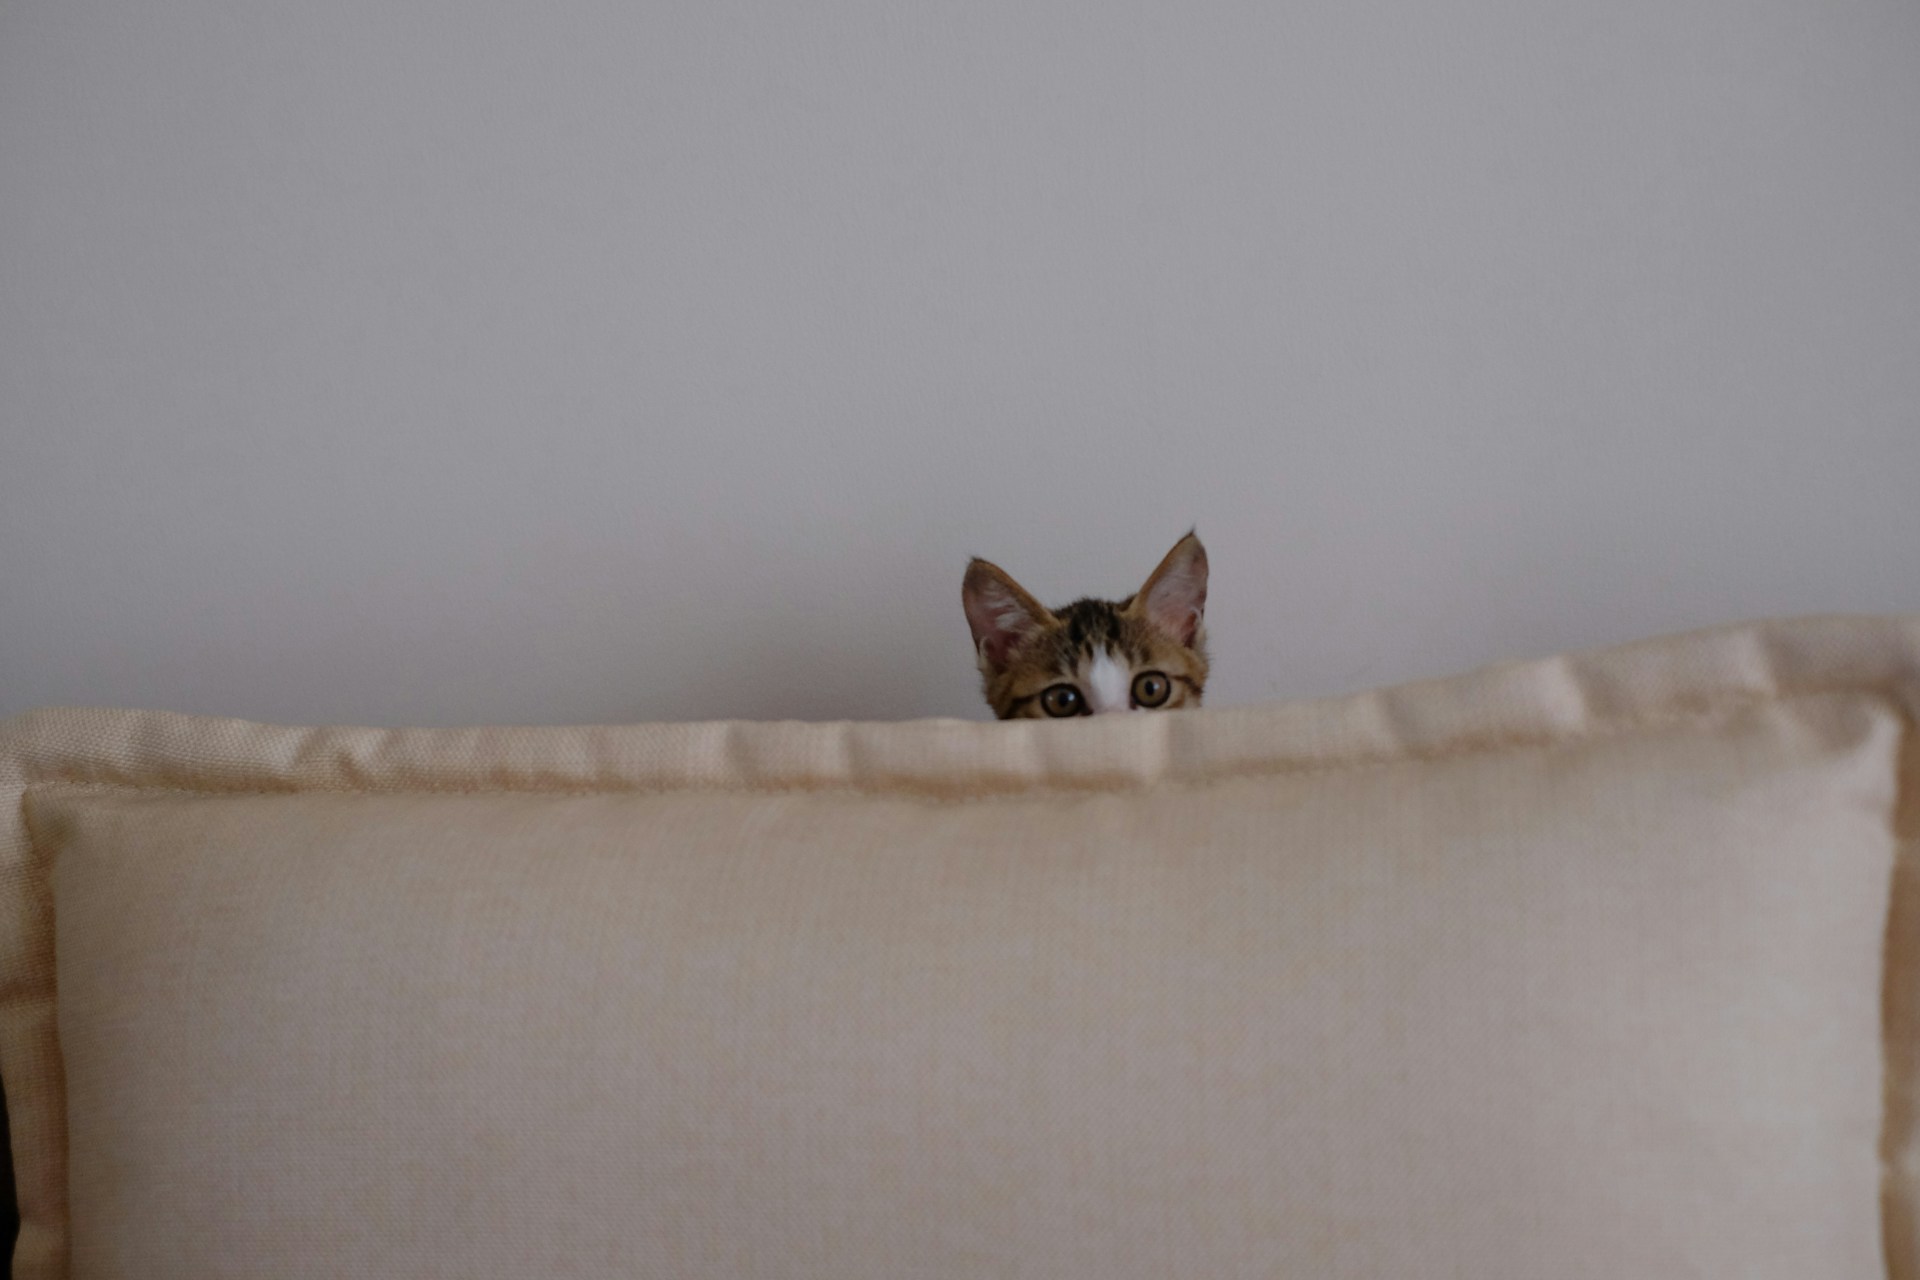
column 445, row 362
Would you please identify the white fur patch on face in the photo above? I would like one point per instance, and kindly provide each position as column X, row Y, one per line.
column 1108, row 686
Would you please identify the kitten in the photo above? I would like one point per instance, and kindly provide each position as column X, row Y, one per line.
column 1145, row 652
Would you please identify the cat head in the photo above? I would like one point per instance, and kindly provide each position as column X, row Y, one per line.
column 1147, row 652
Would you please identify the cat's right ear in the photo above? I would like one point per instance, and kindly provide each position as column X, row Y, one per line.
column 1000, row 613
column 1175, row 597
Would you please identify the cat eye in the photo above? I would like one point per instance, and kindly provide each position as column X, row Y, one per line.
column 1062, row 700
column 1150, row 689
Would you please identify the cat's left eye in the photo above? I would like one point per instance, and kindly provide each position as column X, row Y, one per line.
column 1150, row 689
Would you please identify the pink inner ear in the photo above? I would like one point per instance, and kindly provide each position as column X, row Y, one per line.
column 1178, row 601
column 998, row 621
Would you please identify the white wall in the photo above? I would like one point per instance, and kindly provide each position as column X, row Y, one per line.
column 556, row 361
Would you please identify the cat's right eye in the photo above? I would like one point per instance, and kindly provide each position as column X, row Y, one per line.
column 1062, row 700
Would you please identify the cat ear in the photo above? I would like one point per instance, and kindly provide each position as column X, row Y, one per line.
column 1175, row 597
column 1000, row 612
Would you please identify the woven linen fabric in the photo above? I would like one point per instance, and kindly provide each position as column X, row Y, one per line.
column 1600, row 966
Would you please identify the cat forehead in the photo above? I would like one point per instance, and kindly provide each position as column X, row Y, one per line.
column 1089, row 624
column 1087, row 630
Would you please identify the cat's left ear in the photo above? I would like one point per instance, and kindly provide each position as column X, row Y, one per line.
column 1000, row 613
column 1175, row 597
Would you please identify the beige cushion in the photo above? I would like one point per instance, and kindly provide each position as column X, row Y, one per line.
column 1570, row 969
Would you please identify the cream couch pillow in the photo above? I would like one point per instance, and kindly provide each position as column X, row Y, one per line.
column 1568, row 969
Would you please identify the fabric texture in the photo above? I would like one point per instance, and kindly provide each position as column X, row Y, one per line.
column 1599, row 966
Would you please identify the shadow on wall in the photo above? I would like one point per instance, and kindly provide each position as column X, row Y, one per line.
column 787, row 668
column 9, row 1206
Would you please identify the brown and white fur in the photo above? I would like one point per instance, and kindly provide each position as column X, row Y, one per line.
column 1148, row 651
